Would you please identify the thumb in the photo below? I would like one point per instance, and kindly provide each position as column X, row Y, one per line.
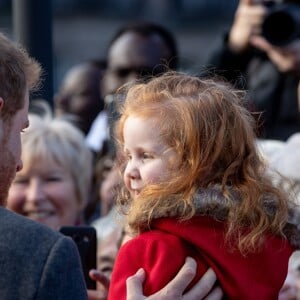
column 261, row 43
column 134, row 285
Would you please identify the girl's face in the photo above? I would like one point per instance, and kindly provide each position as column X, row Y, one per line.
column 45, row 192
column 149, row 159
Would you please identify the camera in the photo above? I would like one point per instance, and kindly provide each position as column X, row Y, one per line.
column 281, row 25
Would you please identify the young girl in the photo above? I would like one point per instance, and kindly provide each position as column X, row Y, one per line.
column 195, row 186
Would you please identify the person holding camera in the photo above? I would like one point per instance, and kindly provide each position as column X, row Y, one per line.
column 269, row 70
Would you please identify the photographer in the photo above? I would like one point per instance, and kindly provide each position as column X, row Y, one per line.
column 269, row 72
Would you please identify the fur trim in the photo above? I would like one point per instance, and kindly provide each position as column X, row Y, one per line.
column 211, row 202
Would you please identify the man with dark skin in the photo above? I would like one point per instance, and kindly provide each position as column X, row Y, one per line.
column 137, row 51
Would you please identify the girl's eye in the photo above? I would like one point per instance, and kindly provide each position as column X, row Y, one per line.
column 146, row 156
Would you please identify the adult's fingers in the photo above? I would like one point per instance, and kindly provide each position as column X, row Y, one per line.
column 247, row 2
column 100, row 277
column 215, row 294
column 202, row 287
column 134, row 286
column 261, row 43
column 250, row 2
column 96, row 295
column 184, row 276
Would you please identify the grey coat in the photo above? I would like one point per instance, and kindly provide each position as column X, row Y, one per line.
column 37, row 262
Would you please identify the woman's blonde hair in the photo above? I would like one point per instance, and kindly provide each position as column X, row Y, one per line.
column 59, row 141
column 206, row 123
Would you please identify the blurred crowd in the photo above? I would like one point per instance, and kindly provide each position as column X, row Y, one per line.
column 71, row 167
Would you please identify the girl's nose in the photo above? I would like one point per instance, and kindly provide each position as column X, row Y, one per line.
column 131, row 171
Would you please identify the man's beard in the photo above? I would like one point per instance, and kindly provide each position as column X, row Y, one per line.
column 7, row 173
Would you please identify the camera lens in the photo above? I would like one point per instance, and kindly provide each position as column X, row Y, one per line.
column 282, row 24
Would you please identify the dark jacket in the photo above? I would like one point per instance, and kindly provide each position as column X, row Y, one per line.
column 37, row 262
column 271, row 92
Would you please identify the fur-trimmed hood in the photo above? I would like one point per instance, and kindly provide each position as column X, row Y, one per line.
column 211, row 202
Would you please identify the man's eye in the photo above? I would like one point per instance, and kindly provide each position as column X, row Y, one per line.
column 122, row 72
column 20, row 181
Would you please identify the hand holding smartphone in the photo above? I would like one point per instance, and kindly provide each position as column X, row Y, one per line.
column 86, row 240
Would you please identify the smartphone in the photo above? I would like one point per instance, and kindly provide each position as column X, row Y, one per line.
column 86, row 240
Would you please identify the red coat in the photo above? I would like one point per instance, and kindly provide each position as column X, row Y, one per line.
column 162, row 252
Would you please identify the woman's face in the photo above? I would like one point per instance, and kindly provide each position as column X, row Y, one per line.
column 45, row 192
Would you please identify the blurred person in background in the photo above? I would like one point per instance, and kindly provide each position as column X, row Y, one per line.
column 79, row 98
column 283, row 159
column 291, row 286
column 54, row 185
column 137, row 50
column 269, row 72
column 286, row 162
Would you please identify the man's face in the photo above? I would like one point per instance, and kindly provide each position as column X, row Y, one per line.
column 133, row 56
column 10, row 147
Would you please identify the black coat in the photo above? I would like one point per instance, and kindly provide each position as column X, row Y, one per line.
column 270, row 92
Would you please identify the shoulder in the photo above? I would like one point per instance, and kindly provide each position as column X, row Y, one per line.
column 24, row 238
column 30, row 242
column 151, row 250
column 19, row 228
column 43, row 262
column 160, row 254
column 153, row 240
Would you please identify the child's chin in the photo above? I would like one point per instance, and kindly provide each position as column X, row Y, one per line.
column 134, row 194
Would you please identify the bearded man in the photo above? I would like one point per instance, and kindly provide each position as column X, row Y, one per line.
column 35, row 262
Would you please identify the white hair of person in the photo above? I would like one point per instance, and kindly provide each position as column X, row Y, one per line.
column 286, row 162
column 59, row 141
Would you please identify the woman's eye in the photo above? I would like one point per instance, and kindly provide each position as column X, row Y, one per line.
column 53, row 179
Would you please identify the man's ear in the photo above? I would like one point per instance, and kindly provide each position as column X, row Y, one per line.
column 299, row 96
column 1, row 119
column 1, row 104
